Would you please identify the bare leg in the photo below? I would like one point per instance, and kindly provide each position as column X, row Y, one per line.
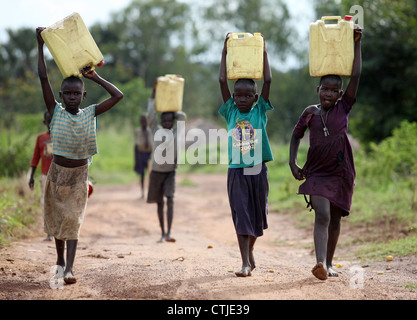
column 243, row 241
column 71, row 250
column 321, row 207
column 60, row 249
column 252, row 241
column 142, row 179
column 334, row 231
column 160, row 207
column 170, row 214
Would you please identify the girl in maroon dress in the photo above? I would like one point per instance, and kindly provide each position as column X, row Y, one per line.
column 329, row 171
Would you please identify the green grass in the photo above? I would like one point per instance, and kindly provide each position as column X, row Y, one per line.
column 115, row 161
column 411, row 286
column 396, row 248
column 385, row 205
column 19, row 208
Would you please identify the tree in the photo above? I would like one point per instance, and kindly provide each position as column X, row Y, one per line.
column 389, row 69
column 18, row 78
column 269, row 17
column 142, row 36
column 386, row 94
column 18, row 53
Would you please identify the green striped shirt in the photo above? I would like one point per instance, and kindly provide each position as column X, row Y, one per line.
column 74, row 136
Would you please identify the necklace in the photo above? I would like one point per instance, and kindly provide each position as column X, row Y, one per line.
column 325, row 130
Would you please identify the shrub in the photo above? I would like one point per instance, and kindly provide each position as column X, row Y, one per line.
column 392, row 160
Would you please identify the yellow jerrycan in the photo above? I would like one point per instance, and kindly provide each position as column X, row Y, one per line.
column 72, row 46
column 169, row 93
column 331, row 47
column 245, row 56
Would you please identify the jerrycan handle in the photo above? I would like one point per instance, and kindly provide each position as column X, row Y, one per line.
column 338, row 18
column 244, row 35
column 240, row 35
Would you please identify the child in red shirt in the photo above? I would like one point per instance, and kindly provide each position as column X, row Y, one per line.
column 43, row 152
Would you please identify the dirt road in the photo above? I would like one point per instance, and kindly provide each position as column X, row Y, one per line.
column 119, row 258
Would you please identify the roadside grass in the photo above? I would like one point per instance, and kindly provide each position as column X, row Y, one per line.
column 20, row 209
column 378, row 251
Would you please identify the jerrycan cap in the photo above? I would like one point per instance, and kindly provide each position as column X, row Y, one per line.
column 348, row 18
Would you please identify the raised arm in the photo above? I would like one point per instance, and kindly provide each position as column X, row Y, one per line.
column 267, row 76
column 352, row 87
column 224, row 88
column 152, row 118
column 115, row 94
column 48, row 94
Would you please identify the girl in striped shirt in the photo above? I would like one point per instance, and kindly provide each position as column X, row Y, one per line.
column 73, row 133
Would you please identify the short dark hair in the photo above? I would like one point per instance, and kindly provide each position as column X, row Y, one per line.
column 334, row 77
column 250, row 82
column 73, row 79
column 168, row 113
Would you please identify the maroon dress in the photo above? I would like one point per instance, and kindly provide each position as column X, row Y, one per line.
column 329, row 169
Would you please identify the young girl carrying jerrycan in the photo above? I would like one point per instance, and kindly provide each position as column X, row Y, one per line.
column 73, row 133
column 329, row 171
column 247, row 177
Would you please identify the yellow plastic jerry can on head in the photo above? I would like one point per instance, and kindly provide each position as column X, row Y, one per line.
column 72, row 46
column 331, row 48
column 245, row 56
column 169, row 93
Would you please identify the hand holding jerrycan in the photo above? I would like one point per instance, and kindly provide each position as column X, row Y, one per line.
column 72, row 46
column 331, row 47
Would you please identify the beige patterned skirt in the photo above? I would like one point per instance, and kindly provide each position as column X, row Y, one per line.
column 66, row 193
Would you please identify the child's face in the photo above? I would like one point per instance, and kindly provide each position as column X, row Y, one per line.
column 244, row 96
column 329, row 92
column 143, row 121
column 167, row 120
column 72, row 94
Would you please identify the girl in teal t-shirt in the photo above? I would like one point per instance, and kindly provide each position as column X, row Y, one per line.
column 249, row 150
column 248, row 143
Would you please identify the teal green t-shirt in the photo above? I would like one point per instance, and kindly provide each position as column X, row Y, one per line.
column 248, row 143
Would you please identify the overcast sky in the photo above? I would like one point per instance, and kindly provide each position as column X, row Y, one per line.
column 15, row 14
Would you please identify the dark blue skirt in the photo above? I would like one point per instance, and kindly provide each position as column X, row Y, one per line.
column 248, row 198
column 141, row 161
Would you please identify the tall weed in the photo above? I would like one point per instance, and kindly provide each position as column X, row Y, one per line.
column 386, row 184
column 392, row 160
column 20, row 208
column 14, row 154
column 17, row 140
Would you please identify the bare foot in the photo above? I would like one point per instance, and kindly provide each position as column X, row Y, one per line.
column 319, row 271
column 69, row 278
column 245, row 272
column 331, row 272
column 169, row 238
column 252, row 260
